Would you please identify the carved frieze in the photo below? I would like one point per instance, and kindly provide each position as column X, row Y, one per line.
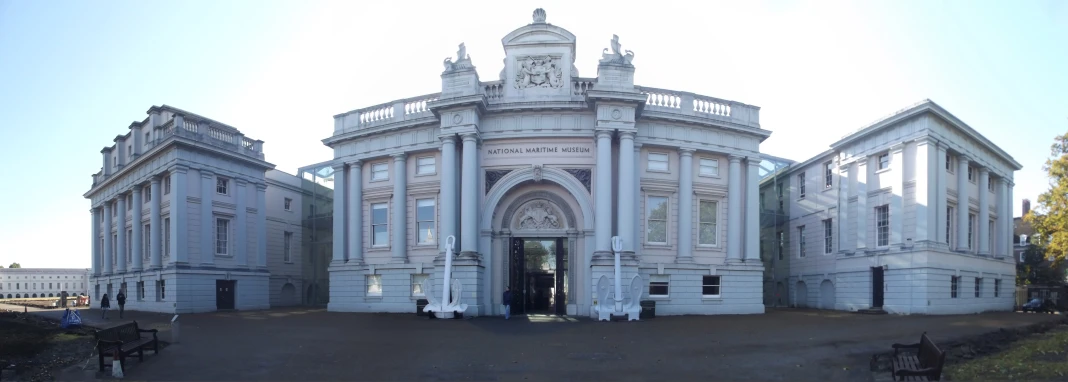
column 583, row 175
column 492, row 176
column 539, row 72
column 538, row 215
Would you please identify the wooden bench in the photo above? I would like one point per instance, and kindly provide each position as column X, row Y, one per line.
column 923, row 365
column 124, row 340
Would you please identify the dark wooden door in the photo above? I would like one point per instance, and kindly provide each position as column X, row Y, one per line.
column 560, row 297
column 224, row 294
column 877, row 287
column 517, row 277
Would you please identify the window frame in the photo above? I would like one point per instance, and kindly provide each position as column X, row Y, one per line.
column 997, row 288
column 828, row 236
column 828, row 175
column 146, row 241
column 384, row 171
column 954, row 286
column 706, row 282
column 419, row 166
column 801, row 185
column 801, row 242
column 978, row 287
column 287, row 247
column 648, row 218
column 413, row 277
column 882, row 162
column 167, row 184
column 971, row 174
column 882, row 226
column 370, row 290
column 385, row 224
column 649, row 162
column 228, row 241
column 166, row 250
column 433, row 222
column 714, row 223
column 659, row 281
column 701, row 167
column 971, row 231
column 782, row 243
column 287, row 204
column 222, row 185
column 950, row 163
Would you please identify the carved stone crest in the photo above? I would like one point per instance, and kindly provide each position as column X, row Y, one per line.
column 538, row 215
column 538, row 72
column 537, row 172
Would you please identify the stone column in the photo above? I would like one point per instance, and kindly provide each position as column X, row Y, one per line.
column 962, row 202
column 897, row 199
column 108, row 242
column 926, row 182
column 261, row 225
column 400, row 208
column 983, row 220
column 448, row 191
column 179, row 214
column 120, row 232
column 941, row 206
column 1003, row 241
column 627, row 204
column 752, row 210
column 207, row 217
column 96, row 240
column 684, row 254
column 338, row 255
column 734, row 209
column 637, row 221
column 843, row 206
column 1008, row 224
column 862, row 204
column 355, row 253
column 155, row 225
column 241, row 245
column 469, row 198
column 137, row 245
column 602, row 209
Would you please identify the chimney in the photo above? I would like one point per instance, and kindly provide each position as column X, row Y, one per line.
column 1026, row 206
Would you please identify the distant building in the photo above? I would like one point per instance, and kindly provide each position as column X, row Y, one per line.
column 43, row 282
column 911, row 214
column 189, row 217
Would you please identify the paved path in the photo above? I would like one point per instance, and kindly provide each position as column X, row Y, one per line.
column 311, row 344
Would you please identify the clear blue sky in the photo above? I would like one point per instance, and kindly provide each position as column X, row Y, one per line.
column 74, row 74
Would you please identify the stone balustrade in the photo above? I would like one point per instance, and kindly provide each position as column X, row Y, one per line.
column 582, row 85
column 685, row 103
column 493, row 90
column 390, row 112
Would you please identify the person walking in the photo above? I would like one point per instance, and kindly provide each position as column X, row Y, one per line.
column 121, row 299
column 507, row 302
column 105, row 304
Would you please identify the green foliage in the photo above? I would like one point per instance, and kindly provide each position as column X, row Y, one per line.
column 1043, row 356
column 1050, row 217
column 14, row 265
column 1035, row 269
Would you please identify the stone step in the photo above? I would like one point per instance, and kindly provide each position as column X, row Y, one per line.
column 872, row 311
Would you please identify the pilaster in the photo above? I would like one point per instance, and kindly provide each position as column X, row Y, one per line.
column 862, row 204
column 897, row 200
column 261, row 225
column 962, row 203
column 338, row 245
column 109, row 249
column 627, row 203
column 925, row 190
column 400, row 208
column 469, row 197
column 734, row 210
column 241, row 245
column 207, row 217
column 685, row 238
column 941, row 205
column 355, row 207
column 983, row 220
column 155, row 244
column 120, row 233
column 179, row 251
column 137, row 229
column 94, row 213
column 752, row 210
column 603, row 195
column 844, row 183
column 449, row 185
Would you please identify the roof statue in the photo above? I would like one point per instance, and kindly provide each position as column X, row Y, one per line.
column 463, row 60
column 614, row 57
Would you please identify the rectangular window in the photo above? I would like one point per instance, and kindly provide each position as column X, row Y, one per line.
column 221, row 185
column 828, row 175
column 417, row 285
column 884, row 161
column 710, row 286
column 167, row 237
column 658, row 162
column 953, row 281
column 997, row 287
column 707, row 234
column 380, row 171
column 656, row 214
column 129, row 151
column 978, row 287
column 287, row 247
column 129, row 202
column 949, row 163
column 140, row 291
column 424, row 215
column 990, row 238
column 882, row 216
column 990, row 186
column 167, row 184
column 949, row 226
column 658, row 285
column 425, row 165
column 708, row 167
column 146, row 239
column 971, row 174
column 782, row 241
column 801, row 184
column 374, row 285
column 148, row 137
column 801, row 241
column 828, row 239
column 379, row 227
column 288, row 204
column 161, row 290
column 761, row 201
column 129, row 246
column 222, row 236
column 147, row 192
column 971, row 227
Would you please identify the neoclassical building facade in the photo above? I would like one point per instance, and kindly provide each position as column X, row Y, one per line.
column 180, row 213
column 43, row 282
column 533, row 173
column 911, row 214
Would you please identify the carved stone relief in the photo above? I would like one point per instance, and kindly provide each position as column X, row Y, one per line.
column 492, row 176
column 539, row 72
column 583, row 175
column 537, row 172
column 538, row 215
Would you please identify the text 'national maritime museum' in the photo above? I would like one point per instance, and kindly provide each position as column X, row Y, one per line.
column 534, row 173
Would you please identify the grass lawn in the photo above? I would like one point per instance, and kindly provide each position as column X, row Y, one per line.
column 42, row 345
column 1041, row 356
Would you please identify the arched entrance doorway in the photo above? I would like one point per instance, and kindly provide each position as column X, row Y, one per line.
column 802, row 295
column 827, row 297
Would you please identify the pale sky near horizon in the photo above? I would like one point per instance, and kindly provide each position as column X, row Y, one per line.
column 75, row 74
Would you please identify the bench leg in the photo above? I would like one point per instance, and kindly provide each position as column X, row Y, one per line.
column 155, row 347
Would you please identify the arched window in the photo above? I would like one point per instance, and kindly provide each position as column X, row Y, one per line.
column 35, row 295
column 50, row 295
column 18, row 296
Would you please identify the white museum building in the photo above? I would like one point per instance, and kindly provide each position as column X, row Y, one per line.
column 909, row 215
column 43, row 282
column 534, row 172
column 181, row 213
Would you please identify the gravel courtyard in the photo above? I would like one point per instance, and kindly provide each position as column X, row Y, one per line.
column 312, row 344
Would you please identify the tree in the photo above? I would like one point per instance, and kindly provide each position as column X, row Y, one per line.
column 1035, row 269
column 14, row 265
column 1050, row 217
